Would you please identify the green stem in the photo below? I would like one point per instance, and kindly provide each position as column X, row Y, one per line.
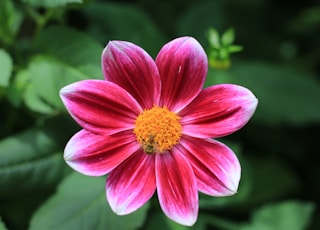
column 45, row 18
column 40, row 20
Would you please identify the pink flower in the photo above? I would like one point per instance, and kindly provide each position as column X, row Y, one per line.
column 149, row 126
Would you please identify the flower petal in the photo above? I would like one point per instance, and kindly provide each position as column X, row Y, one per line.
column 99, row 106
column 97, row 155
column 183, row 66
column 132, row 183
column 216, row 167
column 218, row 111
column 177, row 187
column 129, row 66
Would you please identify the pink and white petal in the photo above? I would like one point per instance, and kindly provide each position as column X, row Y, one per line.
column 218, row 111
column 97, row 155
column 100, row 106
column 216, row 167
column 131, row 184
column 183, row 66
column 177, row 187
column 130, row 67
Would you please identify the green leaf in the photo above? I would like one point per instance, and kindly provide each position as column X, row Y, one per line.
column 70, row 47
column 293, row 215
column 10, row 21
column 110, row 21
column 2, row 226
column 234, row 48
column 6, row 68
column 49, row 76
column 285, row 94
column 70, row 56
column 271, row 179
column 51, row 3
column 33, row 159
column 46, row 76
column 214, row 38
column 227, row 37
column 17, row 87
column 35, row 103
column 80, row 203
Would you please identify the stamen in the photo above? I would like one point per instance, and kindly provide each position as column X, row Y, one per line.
column 157, row 129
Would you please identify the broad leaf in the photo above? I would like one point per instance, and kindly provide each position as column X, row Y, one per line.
column 293, row 215
column 33, row 159
column 69, row 46
column 70, row 56
column 271, row 179
column 284, row 94
column 80, row 203
column 49, row 76
column 123, row 22
column 6, row 68
column 35, row 103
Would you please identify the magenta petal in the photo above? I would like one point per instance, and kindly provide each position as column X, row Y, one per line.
column 99, row 106
column 216, row 167
column 177, row 187
column 97, row 155
column 131, row 184
column 129, row 66
column 183, row 67
column 218, row 111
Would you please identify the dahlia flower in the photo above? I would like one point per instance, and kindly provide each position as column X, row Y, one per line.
column 149, row 125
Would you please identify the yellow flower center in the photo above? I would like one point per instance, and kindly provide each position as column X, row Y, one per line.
column 157, row 129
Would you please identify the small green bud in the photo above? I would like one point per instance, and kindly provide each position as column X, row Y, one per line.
column 221, row 47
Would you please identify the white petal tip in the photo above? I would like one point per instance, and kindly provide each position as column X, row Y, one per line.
column 232, row 186
column 186, row 221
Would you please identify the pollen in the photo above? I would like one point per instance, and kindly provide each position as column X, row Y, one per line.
column 157, row 129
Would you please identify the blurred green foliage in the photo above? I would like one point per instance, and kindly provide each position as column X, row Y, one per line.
column 45, row 45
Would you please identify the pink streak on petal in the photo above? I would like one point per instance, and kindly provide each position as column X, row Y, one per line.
column 183, row 67
column 218, row 111
column 99, row 106
column 216, row 167
column 129, row 66
column 97, row 155
column 132, row 183
column 177, row 187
